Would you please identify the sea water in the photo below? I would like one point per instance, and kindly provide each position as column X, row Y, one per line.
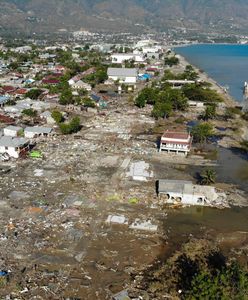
column 226, row 64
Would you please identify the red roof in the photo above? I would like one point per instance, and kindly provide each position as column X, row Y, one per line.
column 6, row 119
column 152, row 69
column 8, row 88
column 21, row 91
column 50, row 81
column 176, row 135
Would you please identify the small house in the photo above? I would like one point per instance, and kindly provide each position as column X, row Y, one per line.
column 176, row 142
column 13, row 131
column 81, row 85
column 37, row 131
column 14, row 146
column 123, row 75
column 47, row 116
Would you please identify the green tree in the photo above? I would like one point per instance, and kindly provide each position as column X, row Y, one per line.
column 57, row 116
column 34, row 93
column 66, row 97
column 196, row 92
column 202, row 132
column 72, row 127
column 207, row 177
column 88, row 102
column 162, row 110
column 30, row 112
column 244, row 145
column 210, row 112
column 140, row 101
column 171, row 61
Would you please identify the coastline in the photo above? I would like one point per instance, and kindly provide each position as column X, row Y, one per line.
column 229, row 100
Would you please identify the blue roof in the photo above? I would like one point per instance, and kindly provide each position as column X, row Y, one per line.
column 145, row 76
column 4, row 99
column 95, row 97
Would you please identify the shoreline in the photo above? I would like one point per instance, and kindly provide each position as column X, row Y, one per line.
column 228, row 99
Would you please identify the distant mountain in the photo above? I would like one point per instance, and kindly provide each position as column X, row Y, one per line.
column 122, row 15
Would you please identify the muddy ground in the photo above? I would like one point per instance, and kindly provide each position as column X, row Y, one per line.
column 55, row 242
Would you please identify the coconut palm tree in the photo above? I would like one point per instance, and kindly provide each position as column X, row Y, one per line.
column 207, row 177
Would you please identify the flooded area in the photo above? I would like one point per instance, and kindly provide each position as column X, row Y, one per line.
column 233, row 167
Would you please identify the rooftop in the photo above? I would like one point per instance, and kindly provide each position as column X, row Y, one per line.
column 38, row 129
column 126, row 72
column 8, row 141
column 181, row 135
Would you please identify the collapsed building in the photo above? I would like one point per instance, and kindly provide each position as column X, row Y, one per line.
column 187, row 193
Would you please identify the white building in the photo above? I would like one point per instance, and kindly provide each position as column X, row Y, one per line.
column 47, row 116
column 176, row 142
column 37, row 131
column 120, row 58
column 13, row 131
column 185, row 192
column 81, row 85
column 124, row 75
column 13, row 146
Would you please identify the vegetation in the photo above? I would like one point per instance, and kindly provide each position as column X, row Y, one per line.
column 87, row 102
column 199, row 271
column 66, row 97
column 210, row 112
column 244, row 146
column 34, row 93
column 196, row 92
column 72, row 127
column 188, row 74
column 57, row 116
column 207, row 177
column 245, row 116
column 30, row 112
column 164, row 101
column 171, row 61
column 202, row 132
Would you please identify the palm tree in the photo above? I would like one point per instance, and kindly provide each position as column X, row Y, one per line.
column 207, row 177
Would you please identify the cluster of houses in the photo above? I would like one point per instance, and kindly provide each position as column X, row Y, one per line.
column 15, row 141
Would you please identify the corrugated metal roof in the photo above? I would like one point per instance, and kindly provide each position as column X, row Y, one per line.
column 7, row 141
column 122, row 72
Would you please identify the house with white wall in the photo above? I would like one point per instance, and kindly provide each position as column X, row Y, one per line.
column 123, row 75
column 13, row 131
column 176, row 142
column 13, row 146
column 37, row 131
column 119, row 58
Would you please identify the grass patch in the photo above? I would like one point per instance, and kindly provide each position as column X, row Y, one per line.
column 133, row 201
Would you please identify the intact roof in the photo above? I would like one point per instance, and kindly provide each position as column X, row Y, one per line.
column 123, row 72
column 123, row 54
column 3, row 99
column 14, row 128
column 8, row 141
column 176, row 135
column 38, row 129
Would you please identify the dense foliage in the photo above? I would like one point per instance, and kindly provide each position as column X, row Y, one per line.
column 164, row 101
column 72, row 127
column 201, row 132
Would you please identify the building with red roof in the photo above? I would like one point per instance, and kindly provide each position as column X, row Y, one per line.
column 176, row 142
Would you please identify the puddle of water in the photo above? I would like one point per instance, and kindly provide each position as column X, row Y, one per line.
column 233, row 168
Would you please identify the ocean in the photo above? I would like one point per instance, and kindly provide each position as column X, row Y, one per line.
column 226, row 64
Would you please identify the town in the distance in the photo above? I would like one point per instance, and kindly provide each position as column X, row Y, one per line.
column 102, row 145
